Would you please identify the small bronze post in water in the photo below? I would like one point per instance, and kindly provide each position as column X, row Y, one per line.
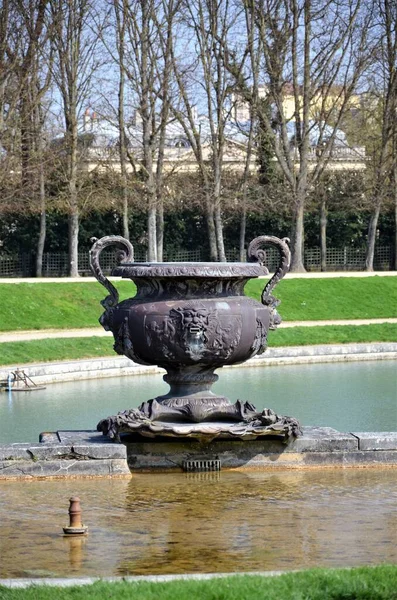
column 75, row 525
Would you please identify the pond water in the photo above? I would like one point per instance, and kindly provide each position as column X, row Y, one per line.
column 204, row 522
column 359, row 396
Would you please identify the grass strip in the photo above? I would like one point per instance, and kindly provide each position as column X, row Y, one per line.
column 55, row 349
column 363, row 583
column 74, row 305
column 333, row 334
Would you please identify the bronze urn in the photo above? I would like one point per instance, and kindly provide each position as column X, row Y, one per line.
column 191, row 319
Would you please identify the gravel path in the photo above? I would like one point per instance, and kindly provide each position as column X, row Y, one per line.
column 312, row 275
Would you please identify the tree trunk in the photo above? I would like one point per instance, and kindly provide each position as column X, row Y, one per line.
column 73, row 228
column 73, row 220
column 373, row 224
column 160, row 230
column 323, row 234
column 246, row 174
column 121, row 124
column 151, row 228
column 243, row 227
column 395, row 228
column 39, row 141
column 209, row 214
column 124, row 177
column 219, row 234
column 217, row 161
column 26, row 141
column 393, row 265
column 43, row 224
column 297, row 265
column 126, row 220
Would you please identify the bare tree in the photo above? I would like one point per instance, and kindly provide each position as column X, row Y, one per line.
column 24, row 36
column 202, row 79
column 386, row 80
column 144, row 29
column 74, row 66
column 313, row 54
column 36, row 74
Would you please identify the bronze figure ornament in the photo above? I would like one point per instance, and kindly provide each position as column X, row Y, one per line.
column 190, row 319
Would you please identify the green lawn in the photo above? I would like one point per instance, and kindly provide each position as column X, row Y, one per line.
column 54, row 349
column 365, row 583
column 334, row 298
column 52, row 305
column 70, row 305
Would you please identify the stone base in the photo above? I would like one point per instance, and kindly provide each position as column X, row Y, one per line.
column 316, row 447
column 90, row 454
column 214, row 430
column 203, row 421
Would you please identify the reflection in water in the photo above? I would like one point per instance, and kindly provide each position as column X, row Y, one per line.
column 209, row 522
column 76, row 551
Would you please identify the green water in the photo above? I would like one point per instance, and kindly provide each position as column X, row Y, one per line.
column 207, row 522
column 359, row 396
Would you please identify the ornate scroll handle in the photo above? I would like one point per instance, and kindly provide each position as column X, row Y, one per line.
column 256, row 253
column 125, row 255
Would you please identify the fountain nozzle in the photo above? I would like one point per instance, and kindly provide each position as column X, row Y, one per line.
column 75, row 527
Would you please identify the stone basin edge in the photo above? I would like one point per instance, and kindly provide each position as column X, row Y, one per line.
column 86, row 453
column 117, row 366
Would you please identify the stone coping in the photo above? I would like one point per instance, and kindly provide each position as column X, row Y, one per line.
column 80, row 453
column 25, row 582
column 88, row 453
column 116, row 366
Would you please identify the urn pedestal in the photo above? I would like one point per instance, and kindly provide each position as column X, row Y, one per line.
column 191, row 319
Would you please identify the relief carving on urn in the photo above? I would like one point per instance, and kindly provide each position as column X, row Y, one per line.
column 193, row 332
column 190, row 319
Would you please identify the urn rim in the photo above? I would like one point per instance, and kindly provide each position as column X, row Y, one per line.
column 191, row 269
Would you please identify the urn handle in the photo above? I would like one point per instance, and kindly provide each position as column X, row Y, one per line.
column 126, row 254
column 256, row 253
